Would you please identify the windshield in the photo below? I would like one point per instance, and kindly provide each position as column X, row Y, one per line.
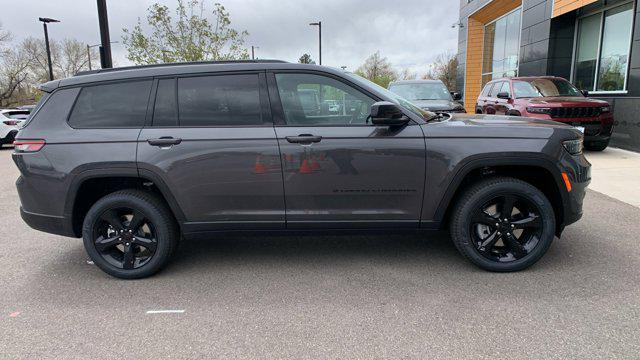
column 422, row 91
column 393, row 96
column 544, row 88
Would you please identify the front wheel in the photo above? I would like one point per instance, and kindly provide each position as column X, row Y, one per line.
column 130, row 234
column 503, row 224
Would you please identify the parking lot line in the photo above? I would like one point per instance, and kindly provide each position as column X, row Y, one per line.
column 165, row 311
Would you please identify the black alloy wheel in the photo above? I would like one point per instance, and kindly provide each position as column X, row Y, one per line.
column 506, row 228
column 503, row 224
column 125, row 238
column 130, row 234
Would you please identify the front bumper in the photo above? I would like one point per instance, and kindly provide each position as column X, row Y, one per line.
column 580, row 177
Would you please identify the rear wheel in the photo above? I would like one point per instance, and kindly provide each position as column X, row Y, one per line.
column 503, row 224
column 130, row 234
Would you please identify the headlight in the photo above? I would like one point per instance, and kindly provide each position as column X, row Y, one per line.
column 605, row 109
column 573, row 147
column 536, row 110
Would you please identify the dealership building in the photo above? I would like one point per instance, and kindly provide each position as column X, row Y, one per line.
column 593, row 43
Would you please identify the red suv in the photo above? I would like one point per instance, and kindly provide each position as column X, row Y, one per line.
column 550, row 98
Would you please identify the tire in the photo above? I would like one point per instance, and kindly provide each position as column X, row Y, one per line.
column 532, row 208
column 597, row 146
column 126, row 254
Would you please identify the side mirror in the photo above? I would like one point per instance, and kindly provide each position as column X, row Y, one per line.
column 385, row 113
column 504, row 95
column 585, row 93
column 457, row 96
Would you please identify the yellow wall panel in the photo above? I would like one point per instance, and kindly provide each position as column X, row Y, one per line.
column 564, row 6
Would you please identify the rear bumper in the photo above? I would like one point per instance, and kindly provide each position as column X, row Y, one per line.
column 47, row 223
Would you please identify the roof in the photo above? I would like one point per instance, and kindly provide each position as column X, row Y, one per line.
column 527, row 78
column 149, row 71
column 399, row 82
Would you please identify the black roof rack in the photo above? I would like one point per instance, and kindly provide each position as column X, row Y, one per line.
column 135, row 67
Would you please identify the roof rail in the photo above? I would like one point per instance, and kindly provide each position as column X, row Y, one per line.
column 135, row 67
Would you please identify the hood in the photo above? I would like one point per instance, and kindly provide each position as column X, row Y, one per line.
column 437, row 105
column 492, row 126
column 567, row 101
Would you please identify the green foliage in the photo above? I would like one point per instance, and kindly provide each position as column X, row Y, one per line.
column 306, row 59
column 377, row 69
column 192, row 36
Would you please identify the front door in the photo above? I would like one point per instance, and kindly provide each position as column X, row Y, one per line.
column 340, row 171
column 213, row 144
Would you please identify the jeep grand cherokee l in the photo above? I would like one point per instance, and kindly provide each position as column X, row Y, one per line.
column 550, row 98
column 135, row 159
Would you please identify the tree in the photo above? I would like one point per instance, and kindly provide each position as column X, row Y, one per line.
column 68, row 57
column 377, row 69
column 407, row 74
column 306, row 59
column 445, row 69
column 14, row 70
column 193, row 36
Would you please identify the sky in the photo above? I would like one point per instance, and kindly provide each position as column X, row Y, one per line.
column 410, row 33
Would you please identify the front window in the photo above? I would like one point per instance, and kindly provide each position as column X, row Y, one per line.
column 602, row 54
column 502, row 45
column 422, row 91
column 544, row 88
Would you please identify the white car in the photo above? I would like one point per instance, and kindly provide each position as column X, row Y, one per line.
column 10, row 122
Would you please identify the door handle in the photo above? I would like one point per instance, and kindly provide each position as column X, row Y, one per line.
column 304, row 139
column 164, row 141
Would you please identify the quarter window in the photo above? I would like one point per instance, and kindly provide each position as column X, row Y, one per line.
column 119, row 105
column 223, row 100
column 496, row 89
column 165, row 112
column 319, row 100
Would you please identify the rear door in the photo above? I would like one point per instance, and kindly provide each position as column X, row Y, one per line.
column 340, row 171
column 212, row 143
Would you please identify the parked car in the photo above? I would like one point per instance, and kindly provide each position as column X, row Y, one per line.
column 550, row 98
column 429, row 95
column 10, row 121
column 135, row 159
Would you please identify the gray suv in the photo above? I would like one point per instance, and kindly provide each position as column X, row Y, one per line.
column 134, row 160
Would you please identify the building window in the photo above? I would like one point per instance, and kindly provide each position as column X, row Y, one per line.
column 501, row 47
column 602, row 54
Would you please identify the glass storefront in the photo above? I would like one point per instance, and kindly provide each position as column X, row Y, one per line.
column 501, row 47
column 602, row 53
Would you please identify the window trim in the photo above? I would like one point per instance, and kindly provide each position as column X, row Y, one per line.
column 278, row 110
column 484, row 29
column 265, row 110
column 574, row 57
column 81, row 88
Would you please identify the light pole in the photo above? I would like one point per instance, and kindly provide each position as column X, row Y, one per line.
column 319, row 25
column 89, row 51
column 45, row 21
column 253, row 52
column 105, row 48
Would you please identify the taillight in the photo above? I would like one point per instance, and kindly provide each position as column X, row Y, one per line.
column 10, row 122
column 28, row 146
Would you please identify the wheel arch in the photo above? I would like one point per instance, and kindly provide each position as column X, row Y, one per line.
column 535, row 169
column 91, row 185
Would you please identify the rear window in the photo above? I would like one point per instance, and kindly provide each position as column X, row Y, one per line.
column 220, row 100
column 119, row 105
column 18, row 114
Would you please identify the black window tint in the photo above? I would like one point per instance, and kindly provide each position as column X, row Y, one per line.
column 118, row 105
column 165, row 112
column 219, row 100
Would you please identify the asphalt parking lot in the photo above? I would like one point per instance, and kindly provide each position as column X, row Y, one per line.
column 324, row 297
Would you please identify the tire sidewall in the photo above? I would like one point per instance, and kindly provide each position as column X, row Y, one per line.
column 463, row 237
column 162, row 230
